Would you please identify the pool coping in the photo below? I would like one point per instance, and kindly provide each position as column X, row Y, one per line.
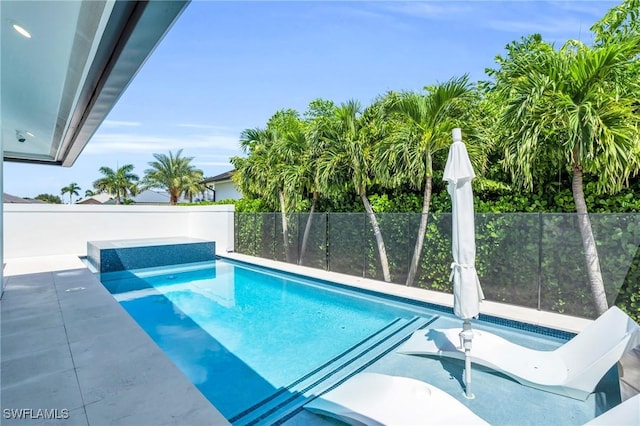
column 545, row 319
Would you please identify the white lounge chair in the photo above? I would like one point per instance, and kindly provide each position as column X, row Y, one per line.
column 374, row 399
column 574, row 369
column 625, row 414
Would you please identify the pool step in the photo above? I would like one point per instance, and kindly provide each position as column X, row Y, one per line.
column 288, row 401
column 384, row 332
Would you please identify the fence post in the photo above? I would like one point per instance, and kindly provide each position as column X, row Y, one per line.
column 409, row 251
column 298, row 238
column 540, row 220
column 275, row 236
column 364, row 248
column 327, row 254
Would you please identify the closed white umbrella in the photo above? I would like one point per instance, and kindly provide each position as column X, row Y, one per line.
column 467, row 292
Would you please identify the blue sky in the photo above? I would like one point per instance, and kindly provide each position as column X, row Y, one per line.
column 227, row 66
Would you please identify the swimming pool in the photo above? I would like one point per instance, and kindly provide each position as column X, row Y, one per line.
column 245, row 335
column 258, row 342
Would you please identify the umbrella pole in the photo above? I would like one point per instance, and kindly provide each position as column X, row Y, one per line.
column 466, row 335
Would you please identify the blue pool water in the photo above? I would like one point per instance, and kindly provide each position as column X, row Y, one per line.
column 257, row 343
column 241, row 334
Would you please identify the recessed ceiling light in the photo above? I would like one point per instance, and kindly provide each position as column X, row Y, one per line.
column 20, row 30
column 29, row 133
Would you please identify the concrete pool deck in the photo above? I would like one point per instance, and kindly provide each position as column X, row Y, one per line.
column 69, row 347
column 79, row 350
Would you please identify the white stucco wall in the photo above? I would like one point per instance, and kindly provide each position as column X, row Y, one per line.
column 227, row 191
column 44, row 229
column 211, row 224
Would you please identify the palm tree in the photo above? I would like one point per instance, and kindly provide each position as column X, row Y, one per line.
column 407, row 153
column 294, row 166
column 89, row 193
column 252, row 171
column 346, row 159
column 571, row 108
column 276, row 168
column 306, row 173
column 170, row 172
column 262, row 172
column 300, row 177
column 620, row 23
column 193, row 184
column 119, row 183
column 72, row 189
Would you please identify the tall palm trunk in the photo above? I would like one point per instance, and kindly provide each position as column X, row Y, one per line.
column 422, row 229
column 285, row 226
column 588, row 242
column 382, row 251
column 307, row 229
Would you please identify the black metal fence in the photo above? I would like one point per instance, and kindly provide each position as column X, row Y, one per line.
column 527, row 259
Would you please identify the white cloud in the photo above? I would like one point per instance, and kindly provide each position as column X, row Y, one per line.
column 204, row 126
column 217, row 156
column 356, row 11
column 546, row 26
column 116, row 123
column 212, row 163
column 371, row 12
column 420, row 9
column 550, row 19
column 595, row 10
column 113, row 143
column 394, row 14
column 113, row 147
column 564, row 19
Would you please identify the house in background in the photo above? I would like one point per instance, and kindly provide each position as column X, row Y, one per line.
column 96, row 199
column 223, row 186
column 12, row 199
column 148, row 197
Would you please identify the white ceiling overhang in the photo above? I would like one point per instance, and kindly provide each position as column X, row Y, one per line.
column 60, row 83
